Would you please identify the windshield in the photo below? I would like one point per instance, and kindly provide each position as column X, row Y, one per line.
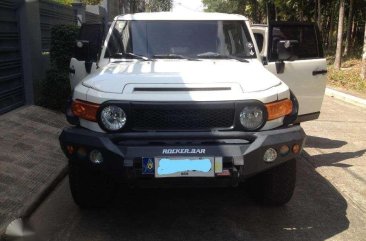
column 180, row 39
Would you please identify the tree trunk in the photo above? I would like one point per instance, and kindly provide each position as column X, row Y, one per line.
column 319, row 15
column 331, row 29
column 301, row 11
column 354, row 31
column 337, row 62
column 349, row 28
column 363, row 69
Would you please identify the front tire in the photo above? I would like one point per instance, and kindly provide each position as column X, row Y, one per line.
column 275, row 186
column 90, row 188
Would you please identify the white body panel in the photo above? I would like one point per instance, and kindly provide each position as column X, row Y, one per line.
column 181, row 16
column 308, row 89
column 198, row 80
column 120, row 77
column 80, row 71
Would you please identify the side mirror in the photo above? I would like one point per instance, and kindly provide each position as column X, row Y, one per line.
column 286, row 51
column 83, row 52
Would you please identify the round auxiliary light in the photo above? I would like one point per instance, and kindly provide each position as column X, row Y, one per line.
column 96, row 157
column 270, row 155
column 113, row 118
column 252, row 117
column 284, row 150
column 82, row 153
column 296, row 148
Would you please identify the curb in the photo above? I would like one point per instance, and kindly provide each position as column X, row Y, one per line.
column 36, row 201
column 345, row 97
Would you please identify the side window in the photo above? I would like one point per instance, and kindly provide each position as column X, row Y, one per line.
column 120, row 40
column 259, row 38
column 305, row 35
column 236, row 39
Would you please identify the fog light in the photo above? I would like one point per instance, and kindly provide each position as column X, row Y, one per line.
column 82, row 153
column 284, row 150
column 296, row 148
column 70, row 149
column 270, row 155
column 96, row 157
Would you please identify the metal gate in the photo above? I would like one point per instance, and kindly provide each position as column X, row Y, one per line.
column 11, row 72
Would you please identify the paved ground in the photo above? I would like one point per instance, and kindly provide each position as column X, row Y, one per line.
column 329, row 201
column 30, row 159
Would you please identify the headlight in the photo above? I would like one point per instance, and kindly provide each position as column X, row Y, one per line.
column 113, row 118
column 252, row 117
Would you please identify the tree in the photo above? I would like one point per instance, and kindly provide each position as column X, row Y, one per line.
column 89, row 2
column 65, row 2
column 337, row 62
column 253, row 9
column 158, row 5
column 319, row 15
column 363, row 69
column 349, row 28
column 222, row 6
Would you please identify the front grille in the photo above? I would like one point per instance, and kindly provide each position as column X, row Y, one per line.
column 183, row 116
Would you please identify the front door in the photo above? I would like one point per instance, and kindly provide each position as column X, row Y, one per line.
column 305, row 72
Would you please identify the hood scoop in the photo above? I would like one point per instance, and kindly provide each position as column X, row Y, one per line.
column 182, row 89
column 179, row 89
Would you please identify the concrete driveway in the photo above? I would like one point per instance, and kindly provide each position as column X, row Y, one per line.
column 329, row 201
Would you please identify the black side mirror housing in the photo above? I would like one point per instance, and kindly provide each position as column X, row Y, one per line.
column 286, row 51
column 83, row 52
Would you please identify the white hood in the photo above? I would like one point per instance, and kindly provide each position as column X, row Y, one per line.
column 122, row 76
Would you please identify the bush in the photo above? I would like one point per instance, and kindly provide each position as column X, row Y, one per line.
column 62, row 45
column 55, row 88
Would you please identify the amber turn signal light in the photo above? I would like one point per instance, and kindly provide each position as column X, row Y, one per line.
column 85, row 110
column 296, row 149
column 279, row 109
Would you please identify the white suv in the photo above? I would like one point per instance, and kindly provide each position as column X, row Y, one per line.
column 172, row 98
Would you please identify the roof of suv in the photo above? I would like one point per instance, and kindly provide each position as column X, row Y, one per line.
column 181, row 16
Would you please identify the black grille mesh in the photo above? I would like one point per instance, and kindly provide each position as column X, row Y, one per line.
column 177, row 118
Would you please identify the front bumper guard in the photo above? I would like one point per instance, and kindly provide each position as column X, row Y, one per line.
column 121, row 151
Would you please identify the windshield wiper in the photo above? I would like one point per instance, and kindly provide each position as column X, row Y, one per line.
column 213, row 55
column 129, row 54
column 172, row 56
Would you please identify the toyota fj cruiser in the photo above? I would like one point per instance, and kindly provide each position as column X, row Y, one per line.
column 163, row 98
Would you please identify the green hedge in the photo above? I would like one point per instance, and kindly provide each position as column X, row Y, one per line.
column 55, row 88
column 62, row 44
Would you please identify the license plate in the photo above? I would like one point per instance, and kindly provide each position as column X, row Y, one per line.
column 184, row 167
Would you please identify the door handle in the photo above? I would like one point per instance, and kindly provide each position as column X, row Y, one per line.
column 318, row 72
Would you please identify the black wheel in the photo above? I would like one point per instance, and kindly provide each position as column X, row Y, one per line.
column 90, row 188
column 275, row 186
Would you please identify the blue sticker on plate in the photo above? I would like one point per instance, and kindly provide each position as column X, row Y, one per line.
column 148, row 165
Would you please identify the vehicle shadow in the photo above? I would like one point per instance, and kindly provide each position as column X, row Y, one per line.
column 317, row 211
column 332, row 158
column 323, row 143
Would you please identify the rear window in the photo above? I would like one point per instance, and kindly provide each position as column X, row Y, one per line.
column 307, row 36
